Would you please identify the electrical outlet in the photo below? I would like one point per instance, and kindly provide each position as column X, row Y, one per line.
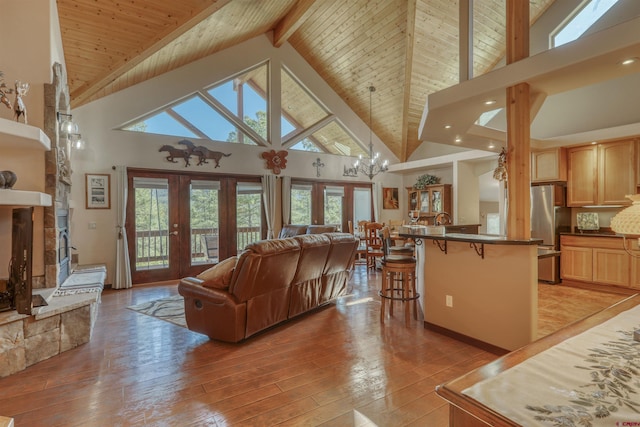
column 449, row 301
column 92, row 225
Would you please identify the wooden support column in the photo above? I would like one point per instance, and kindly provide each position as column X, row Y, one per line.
column 518, row 224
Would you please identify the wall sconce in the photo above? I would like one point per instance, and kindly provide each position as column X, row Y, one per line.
column 77, row 142
column 67, row 126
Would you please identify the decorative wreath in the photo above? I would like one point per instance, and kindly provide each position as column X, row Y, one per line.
column 276, row 161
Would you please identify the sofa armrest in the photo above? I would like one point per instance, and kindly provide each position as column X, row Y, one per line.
column 213, row 312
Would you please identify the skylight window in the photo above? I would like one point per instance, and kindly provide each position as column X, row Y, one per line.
column 584, row 17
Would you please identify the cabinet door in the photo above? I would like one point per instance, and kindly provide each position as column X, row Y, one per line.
column 436, row 200
column 582, row 176
column 634, row 280
column 611, row 267
column 576, row 263
column 413, row 200
column 616, row 172
column 424, row 202
column 549, row 165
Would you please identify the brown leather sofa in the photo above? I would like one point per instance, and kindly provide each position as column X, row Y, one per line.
column 291, row 230
column 273, row 281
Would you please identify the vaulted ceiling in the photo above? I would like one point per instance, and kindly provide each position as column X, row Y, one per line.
column 407, row 49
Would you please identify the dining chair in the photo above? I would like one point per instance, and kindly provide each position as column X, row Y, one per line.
column 374, row 243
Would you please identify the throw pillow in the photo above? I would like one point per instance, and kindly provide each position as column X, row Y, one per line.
column 219, row 276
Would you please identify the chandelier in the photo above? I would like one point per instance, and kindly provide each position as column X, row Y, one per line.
column 372, row 165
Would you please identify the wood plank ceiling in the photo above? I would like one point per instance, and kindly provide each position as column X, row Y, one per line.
column 407, row 49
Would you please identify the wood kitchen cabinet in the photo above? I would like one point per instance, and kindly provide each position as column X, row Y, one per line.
column 601, row 174
column 549, row 165
column 431, row 200
column 600, row 260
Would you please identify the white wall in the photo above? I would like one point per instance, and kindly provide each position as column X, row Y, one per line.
column 107, row 146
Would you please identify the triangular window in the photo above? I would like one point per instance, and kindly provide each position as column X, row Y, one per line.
column 236, row 110
column 233, row 111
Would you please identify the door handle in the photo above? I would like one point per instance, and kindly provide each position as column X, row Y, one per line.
column 175, row 233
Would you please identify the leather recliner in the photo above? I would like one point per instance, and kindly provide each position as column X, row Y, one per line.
column 273, row 281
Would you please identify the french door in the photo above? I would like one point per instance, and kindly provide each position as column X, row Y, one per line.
column 330, row 203
column 180, row 224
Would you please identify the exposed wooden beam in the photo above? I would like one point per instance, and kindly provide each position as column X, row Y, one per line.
column 134, row 58
column 518, row 224
column 288, row 25
column 408, row 72
column 466, row 40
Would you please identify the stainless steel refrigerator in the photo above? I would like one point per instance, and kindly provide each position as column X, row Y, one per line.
column 549, row 217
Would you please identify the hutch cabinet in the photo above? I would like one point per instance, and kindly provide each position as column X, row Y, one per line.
column 431, row 200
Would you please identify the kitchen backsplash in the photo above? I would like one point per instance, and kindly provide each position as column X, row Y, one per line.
column 604, row 215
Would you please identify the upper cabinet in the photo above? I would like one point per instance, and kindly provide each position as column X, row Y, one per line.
column 601, row 174
column 549, row 165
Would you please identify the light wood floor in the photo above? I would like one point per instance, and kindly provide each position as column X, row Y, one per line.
column 315, row 370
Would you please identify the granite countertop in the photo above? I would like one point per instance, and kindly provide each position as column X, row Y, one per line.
column 591, row 233
column 468, row 238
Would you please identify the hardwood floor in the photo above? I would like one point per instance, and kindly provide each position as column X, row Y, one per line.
column 314, row 370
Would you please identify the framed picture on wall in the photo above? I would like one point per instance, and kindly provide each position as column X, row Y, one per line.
column 390, row 198
column 98, row 191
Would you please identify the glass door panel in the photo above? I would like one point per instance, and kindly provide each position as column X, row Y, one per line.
column 153, row 229
column 248, row 213
column 436, row 201
column 205, row 222
column 301, row 204
column 333, row 212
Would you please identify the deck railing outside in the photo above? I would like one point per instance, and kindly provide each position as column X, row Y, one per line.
column 152, row 245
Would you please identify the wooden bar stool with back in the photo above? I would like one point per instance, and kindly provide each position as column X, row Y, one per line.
column 398, row 278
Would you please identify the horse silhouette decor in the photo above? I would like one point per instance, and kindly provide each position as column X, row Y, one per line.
column 200, row 151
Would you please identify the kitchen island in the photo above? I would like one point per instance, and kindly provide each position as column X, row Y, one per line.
column 480, row 287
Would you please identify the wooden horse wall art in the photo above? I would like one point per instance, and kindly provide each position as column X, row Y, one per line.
column 202, row 152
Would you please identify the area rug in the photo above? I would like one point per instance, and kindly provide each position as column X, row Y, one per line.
column 170, row 309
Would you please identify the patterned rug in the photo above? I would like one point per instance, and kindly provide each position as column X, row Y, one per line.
column 170, row 309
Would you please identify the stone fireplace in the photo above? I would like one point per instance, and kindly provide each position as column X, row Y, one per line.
column 67, row 321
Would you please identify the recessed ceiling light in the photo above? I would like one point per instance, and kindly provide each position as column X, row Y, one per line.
column 594, row 142
column 490, row 102
column 492, row 145
column 629, row 61
column 458, row 139
column 447, row 126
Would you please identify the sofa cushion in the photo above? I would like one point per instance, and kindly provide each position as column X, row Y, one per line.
column 218, row 276
column 291, row 230
column 317, row 229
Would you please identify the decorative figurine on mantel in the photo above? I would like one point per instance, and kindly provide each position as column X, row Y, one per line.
column 7, row 179
column 19, row 108
column 4, row 92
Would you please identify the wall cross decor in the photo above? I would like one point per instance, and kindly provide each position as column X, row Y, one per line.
column 318, row 164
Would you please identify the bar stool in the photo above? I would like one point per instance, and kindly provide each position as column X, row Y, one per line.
column 398, row 281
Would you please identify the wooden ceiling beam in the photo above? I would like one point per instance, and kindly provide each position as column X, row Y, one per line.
column 288, row 25
column 85, row 92
column 408, row 72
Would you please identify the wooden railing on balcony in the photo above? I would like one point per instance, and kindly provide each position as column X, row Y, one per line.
column 152, row 245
